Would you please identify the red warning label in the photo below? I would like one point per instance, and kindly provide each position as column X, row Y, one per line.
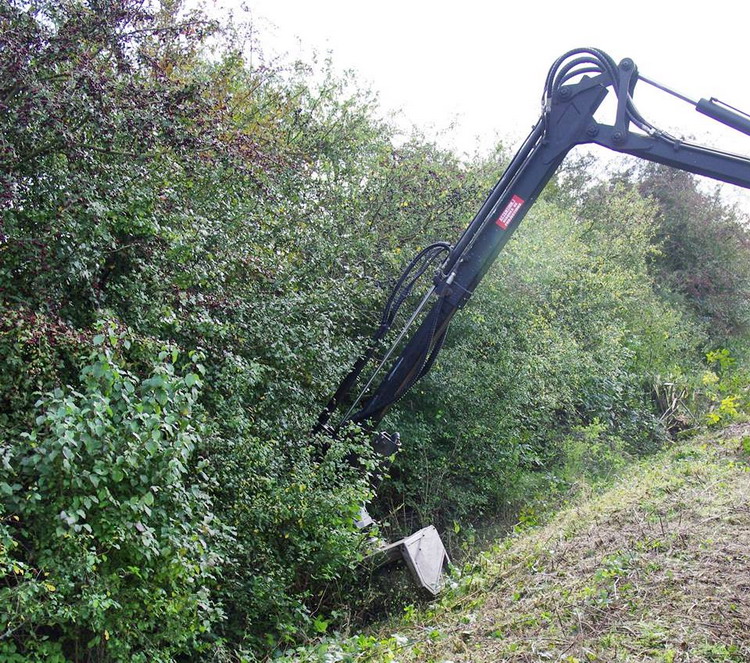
column 511, row 209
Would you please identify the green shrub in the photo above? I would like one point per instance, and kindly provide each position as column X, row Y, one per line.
column 593, row 453
column 110, row 541
column 725, row 388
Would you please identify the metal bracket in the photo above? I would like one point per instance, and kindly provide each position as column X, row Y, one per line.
column 628, row 75
column 425, row 557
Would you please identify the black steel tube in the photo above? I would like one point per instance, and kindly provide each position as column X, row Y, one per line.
column 722, row 113
column 471, row 230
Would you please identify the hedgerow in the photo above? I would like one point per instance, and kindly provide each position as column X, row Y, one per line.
column 193, row 247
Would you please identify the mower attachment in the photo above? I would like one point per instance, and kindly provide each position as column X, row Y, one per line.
column 425, row 556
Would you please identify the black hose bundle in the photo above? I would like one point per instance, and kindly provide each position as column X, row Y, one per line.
column 399, row 294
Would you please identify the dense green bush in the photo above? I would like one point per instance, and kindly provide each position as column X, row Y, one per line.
column 705, row 250
column 109, row 540
column 193, row 201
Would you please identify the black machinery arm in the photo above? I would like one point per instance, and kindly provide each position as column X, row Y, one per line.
column 576, row 87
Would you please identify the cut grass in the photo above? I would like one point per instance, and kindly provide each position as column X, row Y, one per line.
column 655, row 569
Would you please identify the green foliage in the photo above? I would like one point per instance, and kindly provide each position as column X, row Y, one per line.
column 705, row 250
column 110, row 543
column 725, row 388
column 592, row 453
column 192, row 201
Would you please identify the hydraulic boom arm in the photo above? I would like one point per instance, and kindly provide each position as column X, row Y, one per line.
column 575, row 88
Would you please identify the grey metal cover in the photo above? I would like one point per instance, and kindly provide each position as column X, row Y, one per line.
column 425, row 556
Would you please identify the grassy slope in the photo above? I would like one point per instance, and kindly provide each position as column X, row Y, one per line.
column 655, row 569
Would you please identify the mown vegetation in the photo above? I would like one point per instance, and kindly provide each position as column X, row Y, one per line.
column 653, row 568
column 193, row 248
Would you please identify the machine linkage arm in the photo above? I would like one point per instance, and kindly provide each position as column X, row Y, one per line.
column 567, row 120
column 571, row 99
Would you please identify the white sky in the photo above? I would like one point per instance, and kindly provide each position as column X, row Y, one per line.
column 483, row 64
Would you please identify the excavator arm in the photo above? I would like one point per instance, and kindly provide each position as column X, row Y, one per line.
column 576, row 86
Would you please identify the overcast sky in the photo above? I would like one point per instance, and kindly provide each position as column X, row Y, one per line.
column 482, row 65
